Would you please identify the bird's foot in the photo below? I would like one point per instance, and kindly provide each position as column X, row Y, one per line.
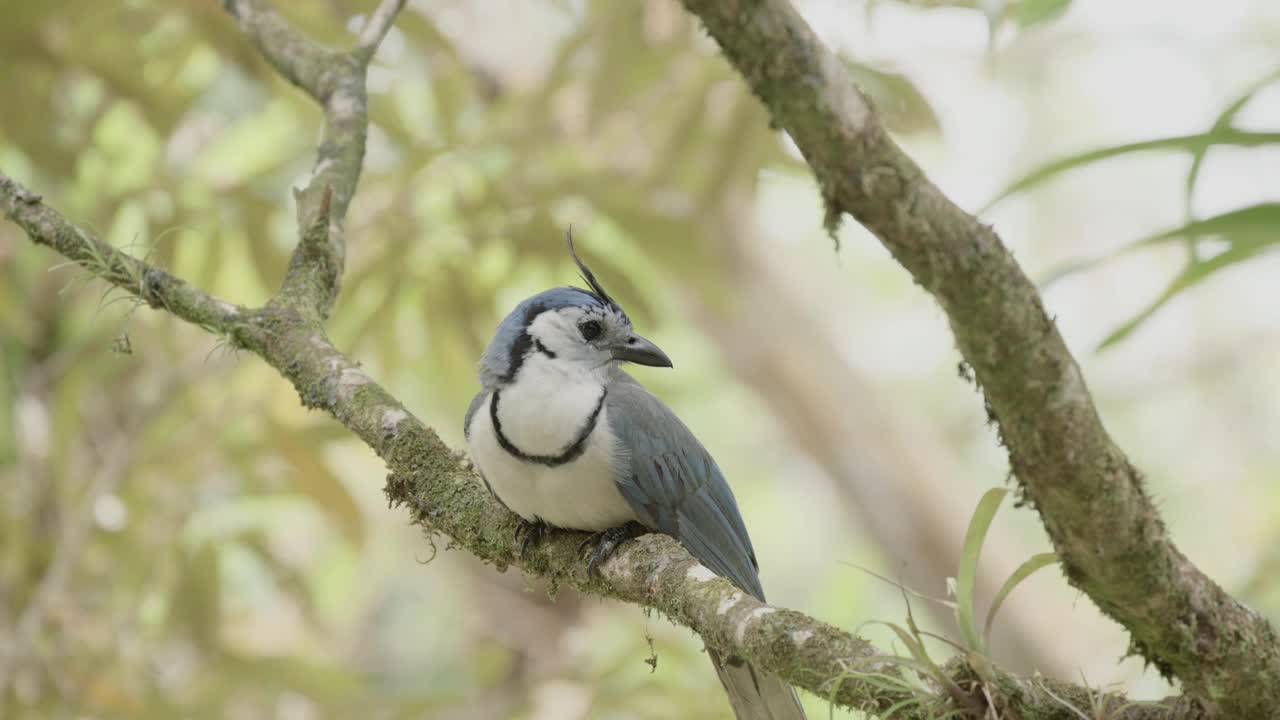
column 602, row 544
column 529, row 534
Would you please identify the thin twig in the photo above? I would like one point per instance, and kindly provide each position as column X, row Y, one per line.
column 377, row 26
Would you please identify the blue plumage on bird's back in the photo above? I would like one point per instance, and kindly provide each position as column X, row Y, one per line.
column 562, row 436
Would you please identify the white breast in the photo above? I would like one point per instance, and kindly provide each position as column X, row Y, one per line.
column 579, row 494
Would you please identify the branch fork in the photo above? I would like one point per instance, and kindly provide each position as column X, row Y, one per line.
column 1090, row 498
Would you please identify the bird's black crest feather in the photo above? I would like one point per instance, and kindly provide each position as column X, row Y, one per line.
column 588, row 276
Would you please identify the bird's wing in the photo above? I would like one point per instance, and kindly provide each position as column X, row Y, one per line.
column 674, row 485
column 476, row 402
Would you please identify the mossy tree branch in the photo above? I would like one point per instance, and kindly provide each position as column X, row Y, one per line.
column 336, row 80
column 444, row 496
column 438, row 486
column 1091, row 499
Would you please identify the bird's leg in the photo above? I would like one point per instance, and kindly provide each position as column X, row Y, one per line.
column 529, row 534
column 602, row 544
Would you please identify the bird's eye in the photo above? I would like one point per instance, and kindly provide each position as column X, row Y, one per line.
column 590, row 329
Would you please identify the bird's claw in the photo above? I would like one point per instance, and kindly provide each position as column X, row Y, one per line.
column 529, row 534
column 603, row 543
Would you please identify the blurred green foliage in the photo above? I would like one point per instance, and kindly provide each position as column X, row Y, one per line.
column 178, row 538
column 1213, row 243
column 150, row 555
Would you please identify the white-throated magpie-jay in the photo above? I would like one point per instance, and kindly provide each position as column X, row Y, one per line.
column 564, row 438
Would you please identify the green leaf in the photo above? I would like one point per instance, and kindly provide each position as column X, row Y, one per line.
column 920, row 655
column 1181, row 143
column 1191, row 275
column 966, row 580
column 918, row 651
column 901, row 105
column 1034, row 12
column 1034, row 563
column 1223, row 123
column 1251, row 226
column 1250, row 231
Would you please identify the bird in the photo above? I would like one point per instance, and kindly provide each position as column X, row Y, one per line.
column 564, row 438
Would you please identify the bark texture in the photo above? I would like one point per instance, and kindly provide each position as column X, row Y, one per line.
column 1091, row 499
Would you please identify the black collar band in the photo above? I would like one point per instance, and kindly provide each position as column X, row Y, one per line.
column 569, row 454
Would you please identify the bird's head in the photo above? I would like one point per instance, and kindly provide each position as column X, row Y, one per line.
column 574, row 330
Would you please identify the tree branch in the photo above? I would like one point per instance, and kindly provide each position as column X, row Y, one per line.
column 443, row 495
column 335, row 80
column 439, row 488
column 153, row 286
column 377, row 27
column 1091, row 499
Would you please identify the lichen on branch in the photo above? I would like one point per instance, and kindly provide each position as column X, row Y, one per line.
column 1091, row 499
column 437, row 485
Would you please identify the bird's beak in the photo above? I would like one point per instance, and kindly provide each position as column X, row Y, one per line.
column 641, row 352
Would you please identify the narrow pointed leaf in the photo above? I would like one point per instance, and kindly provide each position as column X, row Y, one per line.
column 1250, row 231
column 1221, row 124
column 1182, row 143
column 1249, row 226
column 966, row 579
column 1193, row 274
column 1034, row 12
column 919, row 652
column 1034, row 563
column 903, row 107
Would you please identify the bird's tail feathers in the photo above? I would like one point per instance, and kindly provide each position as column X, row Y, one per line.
column 755, row 695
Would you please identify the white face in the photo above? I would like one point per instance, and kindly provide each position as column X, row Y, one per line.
column 580, row 337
